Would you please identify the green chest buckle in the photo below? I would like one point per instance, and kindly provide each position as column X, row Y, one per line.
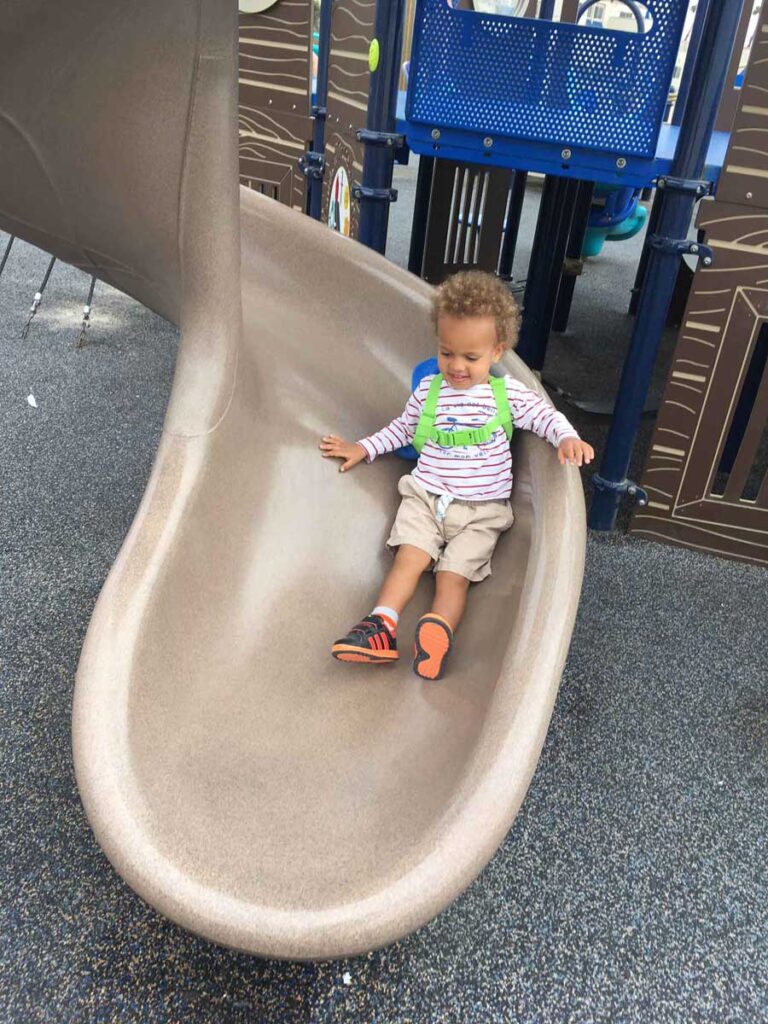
column 427, row 431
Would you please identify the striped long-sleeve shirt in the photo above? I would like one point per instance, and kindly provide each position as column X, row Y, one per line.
column 477, row 472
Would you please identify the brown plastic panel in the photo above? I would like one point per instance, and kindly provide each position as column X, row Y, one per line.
column 467, row 205
column 275, row 89
column 241, row 780
column 352, row 23
column 706, row 469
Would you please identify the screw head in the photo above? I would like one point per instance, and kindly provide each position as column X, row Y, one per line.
column 661, row 183
column 435, row 133
column 694, row 248
column 707, row 261
column 566, row 154
column 487, row 142
column 621, row 163
column 749, row 195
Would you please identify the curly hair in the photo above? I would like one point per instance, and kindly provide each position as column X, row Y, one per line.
column 475, row 293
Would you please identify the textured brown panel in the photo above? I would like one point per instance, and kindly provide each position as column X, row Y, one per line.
column 707, row 459
column 690, row 503
column 348, row 79
column 730, row 100
column 275, row 94
column 466, row 216
column 744, row 178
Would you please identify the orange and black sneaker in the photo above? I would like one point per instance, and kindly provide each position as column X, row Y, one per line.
column 370, row 640
column 434, row 640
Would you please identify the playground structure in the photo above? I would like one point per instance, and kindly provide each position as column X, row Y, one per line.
column 491, row 98
column 262, row 802
column 235, row 779
column 706, row 470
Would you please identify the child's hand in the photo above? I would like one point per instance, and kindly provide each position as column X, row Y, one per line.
column 337, row 448
column 575, row 452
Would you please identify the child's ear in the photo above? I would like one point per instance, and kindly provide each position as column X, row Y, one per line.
column 499, row 351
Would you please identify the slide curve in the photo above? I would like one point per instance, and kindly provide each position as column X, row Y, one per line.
column 242, row 781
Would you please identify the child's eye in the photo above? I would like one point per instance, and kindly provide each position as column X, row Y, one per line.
column 473, row 359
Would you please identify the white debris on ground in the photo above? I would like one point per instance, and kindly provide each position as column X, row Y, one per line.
column 31, row 400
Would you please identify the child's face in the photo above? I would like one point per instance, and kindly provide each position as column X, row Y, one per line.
column 467, row 348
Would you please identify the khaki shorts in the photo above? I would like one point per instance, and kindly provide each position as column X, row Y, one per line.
column 463, row 542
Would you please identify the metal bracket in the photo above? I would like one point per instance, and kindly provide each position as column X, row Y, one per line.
column 573, row 267
column 319, row 112
column 372, row 138
column 691, row 186
column 312, row 164
column 682, row 247
column 387, row 195
column 622, row 487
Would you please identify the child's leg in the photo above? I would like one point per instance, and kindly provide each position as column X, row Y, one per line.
column 374, row 639
column 434, row 632
column 402, row 579
column 450, row 596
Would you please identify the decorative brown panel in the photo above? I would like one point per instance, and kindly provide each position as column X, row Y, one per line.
column 466, row 219
column 348, row 77
column 707, row 470
column 275, row 126
column 730, row 99
column 744, row 178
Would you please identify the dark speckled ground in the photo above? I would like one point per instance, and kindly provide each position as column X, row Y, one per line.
column 633, row 886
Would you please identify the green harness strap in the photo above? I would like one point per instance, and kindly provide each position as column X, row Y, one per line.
column 427, row 431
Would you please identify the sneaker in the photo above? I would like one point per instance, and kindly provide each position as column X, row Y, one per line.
column 369, row 641
column 434, row 640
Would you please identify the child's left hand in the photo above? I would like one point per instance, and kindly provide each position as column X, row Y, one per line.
column 575, row 452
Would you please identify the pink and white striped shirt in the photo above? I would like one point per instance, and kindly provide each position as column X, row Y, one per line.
column 477, row 472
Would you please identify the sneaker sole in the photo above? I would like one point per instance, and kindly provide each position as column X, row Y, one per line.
column 433, row 644
column 346, row 652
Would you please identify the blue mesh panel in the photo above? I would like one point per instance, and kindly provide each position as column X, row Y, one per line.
column 569, row 84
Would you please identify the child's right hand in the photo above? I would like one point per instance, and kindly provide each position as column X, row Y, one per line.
column 337, row 448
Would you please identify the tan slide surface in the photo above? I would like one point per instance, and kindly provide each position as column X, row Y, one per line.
column 242, row 781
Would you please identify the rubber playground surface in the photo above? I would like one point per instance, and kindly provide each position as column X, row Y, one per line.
column 631, row 886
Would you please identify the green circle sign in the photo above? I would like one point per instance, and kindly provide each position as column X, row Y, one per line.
column 373, row 55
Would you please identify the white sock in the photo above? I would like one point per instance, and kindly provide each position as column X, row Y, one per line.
column 387, row 613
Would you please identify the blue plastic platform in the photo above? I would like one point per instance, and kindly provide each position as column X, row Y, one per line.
column 578, row 101
column 545, row 157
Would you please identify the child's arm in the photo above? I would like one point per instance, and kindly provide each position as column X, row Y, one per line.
column 396, row 435
column 532, row 412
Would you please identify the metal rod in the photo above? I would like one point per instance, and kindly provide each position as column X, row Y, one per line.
column 581, row 210
column 642, row 266
column 315, row 184
column 86, row 315
column 545, row 268
column 37, row 299
column 706, row 88
column 7, row 253
column 382, row 108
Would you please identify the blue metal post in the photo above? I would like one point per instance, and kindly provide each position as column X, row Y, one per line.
column 582, row 208
column 549, row 244
column 674, row 221
column 315, row 180
column 690, row 61
column 512, row 225
column 376, row 192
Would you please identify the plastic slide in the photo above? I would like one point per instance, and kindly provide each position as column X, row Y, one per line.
column 242, row 781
